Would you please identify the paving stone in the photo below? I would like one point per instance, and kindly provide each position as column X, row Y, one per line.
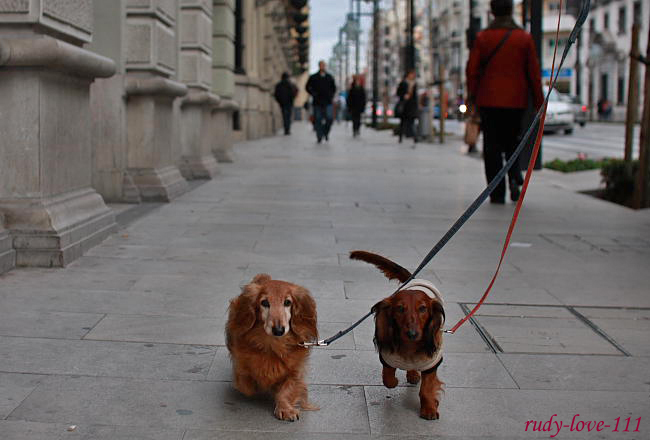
column 14, row 388
column 19, row 430
column 562, row 372
column 115, row 359
column 545, row 335
column 46, row 324
column 184, row 405
column 187, row 330
column 628, row 327
column 490, row 413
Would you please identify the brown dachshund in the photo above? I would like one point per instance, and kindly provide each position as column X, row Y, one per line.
column 265, row 325
column 408, row 332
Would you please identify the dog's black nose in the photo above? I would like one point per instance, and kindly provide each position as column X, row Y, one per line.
column 411, row 334
column 278, row 331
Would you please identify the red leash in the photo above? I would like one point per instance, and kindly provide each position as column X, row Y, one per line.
column 529, row 173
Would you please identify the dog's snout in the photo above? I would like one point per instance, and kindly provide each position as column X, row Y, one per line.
column 412, row 334
column 278, row 330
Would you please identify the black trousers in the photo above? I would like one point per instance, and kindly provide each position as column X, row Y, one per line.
column 356, row 121
column 501, row 130
column 407, row 128
column 286, row 118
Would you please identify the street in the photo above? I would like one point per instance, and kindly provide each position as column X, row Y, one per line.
column 127, row 342
column 596, row 140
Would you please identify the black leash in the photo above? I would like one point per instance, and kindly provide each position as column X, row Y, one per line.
column 582, row 17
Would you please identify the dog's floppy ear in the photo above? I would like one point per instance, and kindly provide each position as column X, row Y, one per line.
column 393, row 271
column 433, row 327
column 303, row 314
column 385, row 335
column 242, row 313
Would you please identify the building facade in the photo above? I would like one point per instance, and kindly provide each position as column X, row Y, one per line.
column 126, row 101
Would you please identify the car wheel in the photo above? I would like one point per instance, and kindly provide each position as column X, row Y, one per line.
column 582, row 124
column 568, row 131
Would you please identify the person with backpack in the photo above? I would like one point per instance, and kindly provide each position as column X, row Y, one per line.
column 502, row 71
column 285, row 93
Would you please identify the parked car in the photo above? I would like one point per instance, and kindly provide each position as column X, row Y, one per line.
column 559, row 114
column 579, row 111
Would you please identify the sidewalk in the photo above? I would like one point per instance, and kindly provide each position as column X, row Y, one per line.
column 127, row 342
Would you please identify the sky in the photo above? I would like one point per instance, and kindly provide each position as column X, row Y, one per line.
column 326, row 17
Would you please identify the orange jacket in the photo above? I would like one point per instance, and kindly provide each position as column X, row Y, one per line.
column 511, row 72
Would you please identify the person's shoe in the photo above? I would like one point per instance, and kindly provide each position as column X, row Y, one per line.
column 327, row 137
column 497, row 201
column 515, row 192
column 319, row 140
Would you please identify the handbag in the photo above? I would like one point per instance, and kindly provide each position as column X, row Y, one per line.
column 472, row 130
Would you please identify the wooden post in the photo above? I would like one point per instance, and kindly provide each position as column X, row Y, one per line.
column 642, row 190
column 442, row 105
column 632, row 93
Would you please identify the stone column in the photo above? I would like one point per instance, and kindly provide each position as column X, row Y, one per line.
column 223, row 78
column 151, row 91
column 195, row 70
column 111, row 177
column 50, row 208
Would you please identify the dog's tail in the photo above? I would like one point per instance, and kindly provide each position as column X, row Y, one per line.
column 393, row 271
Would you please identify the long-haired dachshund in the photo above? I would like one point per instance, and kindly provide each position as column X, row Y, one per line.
column 266, row 322
column 408, row 332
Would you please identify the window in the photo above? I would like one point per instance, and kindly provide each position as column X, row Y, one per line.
column 620, row 90
column 387, row 30
column 592, row 27
column 606, row 20
column 622, row 22
column 239, row 39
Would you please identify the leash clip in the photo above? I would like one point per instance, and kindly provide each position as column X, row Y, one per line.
column 308, row 344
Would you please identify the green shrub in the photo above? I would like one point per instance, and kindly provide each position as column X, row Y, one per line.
column 619, row 179
column 574, row 165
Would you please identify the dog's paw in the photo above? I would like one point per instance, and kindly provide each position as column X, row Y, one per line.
column 390, row 382
column 287, row 413
column 429, row 413
column 412, row 377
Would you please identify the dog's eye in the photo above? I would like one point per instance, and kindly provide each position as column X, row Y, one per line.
column 400, row 309
column 422, row 309
column 287, row 302
column 265, row 303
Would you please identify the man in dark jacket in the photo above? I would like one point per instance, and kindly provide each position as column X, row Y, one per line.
column 285, row 92
column 321, row 87
column 500, row 89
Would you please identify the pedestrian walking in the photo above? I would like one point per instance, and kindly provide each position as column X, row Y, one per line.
column 502, row 71
column 321, row 87
column 285, row 93
column 407, row 106
column 356, row 104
